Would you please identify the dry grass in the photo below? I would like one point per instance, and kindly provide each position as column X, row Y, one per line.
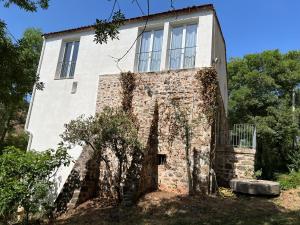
column 166, row 209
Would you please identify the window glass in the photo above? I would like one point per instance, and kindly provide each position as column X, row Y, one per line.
column 156, row 50
column 144, row 52
column 161, row 159
column 190, row 46
column 67, row 66
column 66, row 60
column 74, row 58
column 182, row 55
column 149, row 56
column 176, row 48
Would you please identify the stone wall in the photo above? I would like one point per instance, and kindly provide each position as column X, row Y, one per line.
column 184, row 170
column 161, row 101
column 234, row 163
column 230, row 162
column 82, row 183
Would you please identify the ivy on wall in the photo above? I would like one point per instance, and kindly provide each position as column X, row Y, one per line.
column 208, row 82
column 128, row 84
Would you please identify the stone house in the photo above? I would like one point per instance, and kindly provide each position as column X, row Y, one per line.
column 171, row 60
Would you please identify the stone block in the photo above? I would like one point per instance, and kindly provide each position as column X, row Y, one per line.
column 255, row 187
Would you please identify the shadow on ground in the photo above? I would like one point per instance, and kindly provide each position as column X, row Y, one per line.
column 166, row 209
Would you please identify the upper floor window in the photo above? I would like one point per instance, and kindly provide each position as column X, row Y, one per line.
column 66, row 66
column 182, row 50
column 149, row 56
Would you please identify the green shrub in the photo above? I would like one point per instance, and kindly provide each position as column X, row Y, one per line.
column 26, row 181
column 18, row 140
column 289, row 181
column 294, row 160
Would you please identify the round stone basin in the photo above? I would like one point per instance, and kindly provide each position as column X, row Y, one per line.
column 255, row 187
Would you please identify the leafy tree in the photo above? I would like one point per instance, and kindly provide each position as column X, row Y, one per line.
column 260, row 92
column 17, row 138
column 105, row 28
column 18, row 65
column 25, row 181
column 114, row 130
column 28, row 5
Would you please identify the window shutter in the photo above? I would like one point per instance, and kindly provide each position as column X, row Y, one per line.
column 59, row 63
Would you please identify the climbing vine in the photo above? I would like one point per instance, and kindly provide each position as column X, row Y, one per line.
column 129, row 190
column 182, row 126
column 208, row 82
column 128, row 84
column 207, row 79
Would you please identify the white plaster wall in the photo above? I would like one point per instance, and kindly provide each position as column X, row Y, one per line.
column 55, row 105
column 219, row 52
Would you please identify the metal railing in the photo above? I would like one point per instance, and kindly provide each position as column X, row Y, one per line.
column 149, row 61
column 179, row 56
column 243, row 136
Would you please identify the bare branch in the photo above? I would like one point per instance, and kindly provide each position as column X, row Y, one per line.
column 172, row 4
column 173, row 8
column 117, row 60
column 138, row 4
column 113, row 9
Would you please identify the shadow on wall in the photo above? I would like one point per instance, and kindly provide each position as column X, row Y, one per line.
column 152, row 151
column 149, row 180
column 65, row 196
column 81, row 184
column 91, row 177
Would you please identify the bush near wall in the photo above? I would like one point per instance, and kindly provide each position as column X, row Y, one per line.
column 289, row 181
column 26, row 181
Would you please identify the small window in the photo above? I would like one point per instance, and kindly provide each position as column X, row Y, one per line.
column 182, row 52
column 149, row 56
column 66, row 67
column 161, row 159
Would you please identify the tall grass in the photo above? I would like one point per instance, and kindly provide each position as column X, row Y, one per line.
column 289, row 181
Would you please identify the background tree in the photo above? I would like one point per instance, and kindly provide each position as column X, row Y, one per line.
column 18, row 65
column 260, row 91
column 28, row 5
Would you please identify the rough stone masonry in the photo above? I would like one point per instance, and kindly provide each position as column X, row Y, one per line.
column 180, row 170
column 170, row 163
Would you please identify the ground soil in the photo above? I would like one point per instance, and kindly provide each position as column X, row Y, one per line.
column 167, row 208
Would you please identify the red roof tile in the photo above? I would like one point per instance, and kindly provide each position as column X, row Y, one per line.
column 140, row 18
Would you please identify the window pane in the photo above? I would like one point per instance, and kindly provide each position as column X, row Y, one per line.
column 176, row 48
column 66, row 60
column 144, row 52
column 190, row 46
column 74, row 58
column 191, row 32
column 156, row 50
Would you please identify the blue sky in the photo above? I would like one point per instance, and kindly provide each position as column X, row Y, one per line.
column 249, row 26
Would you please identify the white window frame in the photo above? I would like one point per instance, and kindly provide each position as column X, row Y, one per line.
column 150, row 51
column 183, row 43
column 61, row 60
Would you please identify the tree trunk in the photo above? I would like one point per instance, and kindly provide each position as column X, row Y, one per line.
column 120, row 180
column 5, row 130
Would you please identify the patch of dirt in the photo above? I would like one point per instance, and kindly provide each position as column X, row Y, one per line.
column 94, row 204
column 171, row 209
column 289, row 200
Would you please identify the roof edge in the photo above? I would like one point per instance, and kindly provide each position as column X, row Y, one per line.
column 137, row 19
